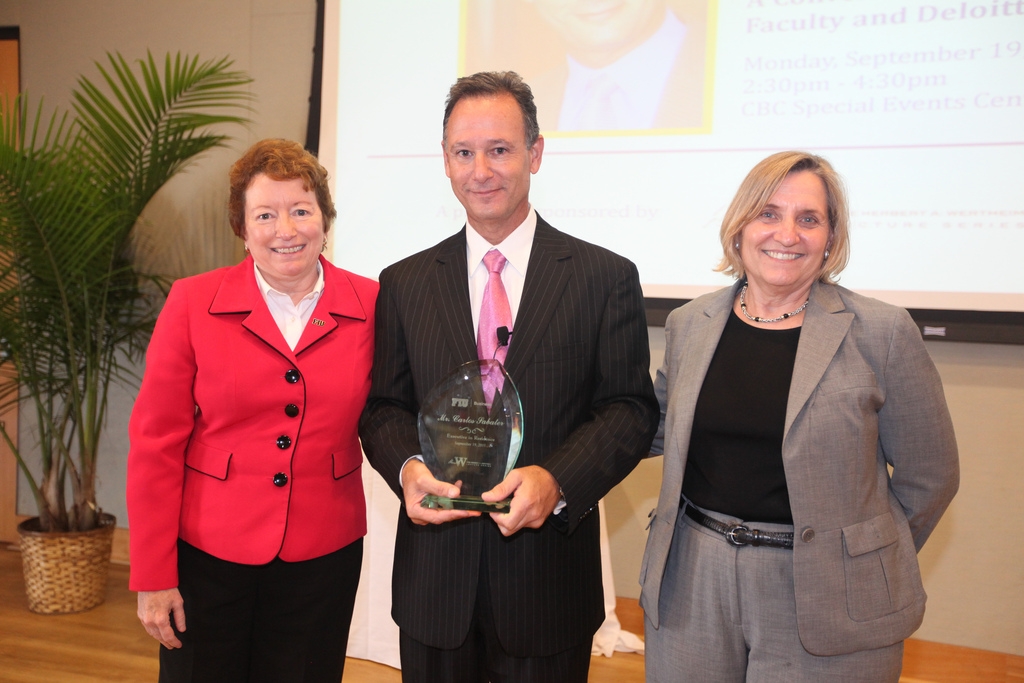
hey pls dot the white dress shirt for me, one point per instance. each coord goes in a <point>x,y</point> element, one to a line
<point>516,250</point>
<point>291,318</point>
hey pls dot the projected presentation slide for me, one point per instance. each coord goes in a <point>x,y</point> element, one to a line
<point>653,111</point>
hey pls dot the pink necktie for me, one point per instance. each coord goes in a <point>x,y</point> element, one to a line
<point>494,310</point>
<point>605,106</point>
<point>494,313</point>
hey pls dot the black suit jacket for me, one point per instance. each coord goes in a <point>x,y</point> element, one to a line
<point>579,357</point>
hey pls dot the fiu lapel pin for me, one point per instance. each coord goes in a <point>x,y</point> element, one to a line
<point>318,322</point>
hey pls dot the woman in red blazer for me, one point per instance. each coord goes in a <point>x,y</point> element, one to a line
<point>245,497</point>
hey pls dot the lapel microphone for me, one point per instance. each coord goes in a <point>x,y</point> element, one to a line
<point>504,334</point>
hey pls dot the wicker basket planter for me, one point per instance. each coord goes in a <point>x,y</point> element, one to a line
<point>65,572</point>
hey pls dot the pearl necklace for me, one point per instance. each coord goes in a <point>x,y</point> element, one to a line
<point>754,318</point>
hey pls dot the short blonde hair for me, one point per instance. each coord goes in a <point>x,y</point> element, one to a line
<point>756,191</point>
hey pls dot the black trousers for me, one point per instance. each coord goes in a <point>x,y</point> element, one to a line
<point>482,659</point>
<point>281,622</point>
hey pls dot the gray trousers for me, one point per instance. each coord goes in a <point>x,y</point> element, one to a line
<point>728,614</point>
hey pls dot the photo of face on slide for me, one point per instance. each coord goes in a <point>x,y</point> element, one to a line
<point>596,65</point>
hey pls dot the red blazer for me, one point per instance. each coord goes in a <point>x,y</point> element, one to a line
<point>240,446</point>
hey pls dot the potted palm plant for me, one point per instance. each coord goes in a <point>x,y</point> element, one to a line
<point>75,312</point>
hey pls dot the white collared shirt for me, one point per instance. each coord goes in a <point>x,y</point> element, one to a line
<point>640,77</point>
<point>291,318</point>
<point>516,250</point>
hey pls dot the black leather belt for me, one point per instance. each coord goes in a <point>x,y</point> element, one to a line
<point>740,535</point>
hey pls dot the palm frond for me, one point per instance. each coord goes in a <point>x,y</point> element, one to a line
<point>159,124</point>
<point>75,314</point>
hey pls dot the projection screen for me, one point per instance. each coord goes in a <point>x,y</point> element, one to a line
<point>919,105</point>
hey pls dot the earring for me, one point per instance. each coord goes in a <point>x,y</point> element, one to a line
<point>246,245</point>
<point>324,247</point>
<point>737,245</point>
<point>826,254</point>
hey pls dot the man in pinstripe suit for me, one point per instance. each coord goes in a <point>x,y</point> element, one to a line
<point>517,596</point>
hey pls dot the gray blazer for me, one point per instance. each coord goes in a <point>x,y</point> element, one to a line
<point>865,397</point>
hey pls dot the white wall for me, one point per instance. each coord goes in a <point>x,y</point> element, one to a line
<point>972,565</point>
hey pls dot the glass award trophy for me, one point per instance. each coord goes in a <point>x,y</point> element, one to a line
<point>471,430</point>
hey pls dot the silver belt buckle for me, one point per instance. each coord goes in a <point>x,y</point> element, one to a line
<point>730,534</point>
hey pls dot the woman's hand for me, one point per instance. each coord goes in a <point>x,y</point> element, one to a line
<point>155,609</point>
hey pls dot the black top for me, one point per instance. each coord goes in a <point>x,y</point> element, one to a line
<point>734,464</point>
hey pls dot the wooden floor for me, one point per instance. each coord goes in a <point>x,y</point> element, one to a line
<point>107,644</point>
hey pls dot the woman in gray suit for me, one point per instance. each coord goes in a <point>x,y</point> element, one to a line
<point>808,453</point>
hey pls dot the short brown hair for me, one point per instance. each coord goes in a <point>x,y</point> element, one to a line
<point>756,191</point>
<point>492,84</point>
<point>279,160</point>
